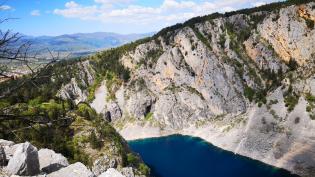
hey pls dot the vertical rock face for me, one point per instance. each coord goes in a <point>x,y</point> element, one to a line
<point>50,161</point>
<point>73,170</point>
<point>76,88</point>
<point>72,91</point>
<point>289,32</point>
<point>24,161</point>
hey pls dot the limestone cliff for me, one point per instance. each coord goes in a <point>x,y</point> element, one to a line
<point>243,81</point>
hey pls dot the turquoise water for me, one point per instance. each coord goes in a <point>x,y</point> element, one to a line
<point>184,156</point>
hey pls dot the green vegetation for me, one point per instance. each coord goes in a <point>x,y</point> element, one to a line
<point>195,91</point>
<point>151,58</point>
<point>309,23</point>
<point>132,159</point>
<point>293,65</point>
<point>95,142</point>
<point>311,102</point>
<point>97,82</point>
<point>310,98</point>
<point>201,37</point>
<point>249,93</point>
<point>113,83</point>
<point>148,116</point>
<point>222,40</point>
<point>259,96</point>
<point>291,101</point>
<point>84,110</point>
<point>271,102</point>
<point>268,8</point>
<point>135,161</point>
<point>144,169</point>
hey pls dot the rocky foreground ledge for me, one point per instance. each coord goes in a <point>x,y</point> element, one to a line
<point>25,160</point>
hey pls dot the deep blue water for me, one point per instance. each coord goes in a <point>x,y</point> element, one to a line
<point>184,156</point>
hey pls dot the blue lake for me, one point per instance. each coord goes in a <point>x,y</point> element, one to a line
<point>184,156</point>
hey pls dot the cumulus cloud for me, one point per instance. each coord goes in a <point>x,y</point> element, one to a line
<point>35,13</point>
<point>5,7</point>
<point>170,11</point>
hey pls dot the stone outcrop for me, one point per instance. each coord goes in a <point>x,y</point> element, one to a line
<point>72,91</point>
<point>24,161</point>
<point>49,161</point>
<point>73,170</point>
<point>102,164</point>
<point>128,172</point>
<point>9,148</point>
<point>111,173</point>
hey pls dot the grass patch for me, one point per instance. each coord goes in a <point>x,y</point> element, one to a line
<point>149,116</point>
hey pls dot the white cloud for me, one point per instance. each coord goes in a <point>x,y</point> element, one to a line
<point>5,7</point>
<point>71,4</point>
<point>35,13</point>
<point>169,12</point>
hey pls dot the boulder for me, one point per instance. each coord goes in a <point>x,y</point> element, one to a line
<point>10,150</point>
<point>3,159</point>
<point>111,173</point>
<point>8,147</point>
<point>73,170</point>
<point>24,161</point>
<point>49,161</point>
<point>6,143</point>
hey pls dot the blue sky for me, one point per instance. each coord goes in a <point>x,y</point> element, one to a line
<point>56,17</point>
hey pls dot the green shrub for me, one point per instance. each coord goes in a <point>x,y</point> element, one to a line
<point>148,116</point>
<point>86,111</point>
<point>93,87</point>
<point>291,101</point>
<point>309,23</point>
<point>201,37</point>
<point>132,159</point>
<point>273,102</point>
<point>222,40</point>
<point>144,169</point>
<point>310,98</point>
<point>95,142</point>
<point>249,93</point>
<point>293,65</point>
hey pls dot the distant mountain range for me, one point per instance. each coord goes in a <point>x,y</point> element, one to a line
<point>79,44</point>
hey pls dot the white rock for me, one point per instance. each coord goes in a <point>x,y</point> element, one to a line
<point>6,143</point>
<point>25,161</point>
<point>49,161</point>
<point>74,170</point>
<point>111,173</point>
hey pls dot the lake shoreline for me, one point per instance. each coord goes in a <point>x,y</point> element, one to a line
<point>135,132</point>
<point>167,147</point>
